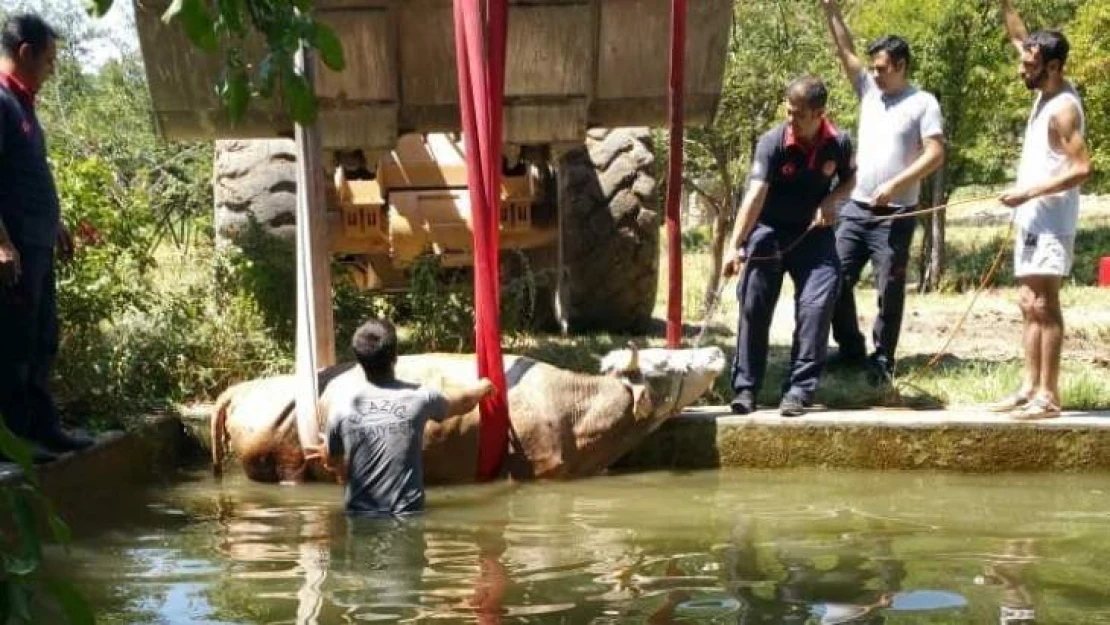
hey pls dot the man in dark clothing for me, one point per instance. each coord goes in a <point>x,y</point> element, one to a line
<point>30,233</point>
<point>784,227</point>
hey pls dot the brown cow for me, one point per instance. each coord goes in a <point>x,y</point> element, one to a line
<point>565,424</point>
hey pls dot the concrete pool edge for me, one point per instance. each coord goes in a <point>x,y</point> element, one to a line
<point>156,445</point>
<point>957,439</point>
<point>964,440</point>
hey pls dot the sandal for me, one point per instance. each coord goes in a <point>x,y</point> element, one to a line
<point>1009,403</point>
<point>1037,408</point>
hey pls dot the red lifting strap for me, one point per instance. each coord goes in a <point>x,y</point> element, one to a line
<point>674,173</point>
<point>480,34</point>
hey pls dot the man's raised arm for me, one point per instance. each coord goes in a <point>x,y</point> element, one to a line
<point>1015,28</point>
<point>842,39</point>
<point>463,401</point>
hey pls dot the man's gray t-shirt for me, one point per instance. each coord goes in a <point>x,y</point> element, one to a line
<point>892,133</point>
<point>380,431</point>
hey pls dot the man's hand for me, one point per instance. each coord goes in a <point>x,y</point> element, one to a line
<point>826,215</point>
<point>10,269</point>
<point>487,387</point>
<point>318,451</point>
<point>734,263</point>
<point>65,244</point>
<point>1015,197</point>
<point>885,193</point>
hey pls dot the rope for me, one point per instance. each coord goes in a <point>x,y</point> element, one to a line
<point>715,300</point>
<point>987,278</point>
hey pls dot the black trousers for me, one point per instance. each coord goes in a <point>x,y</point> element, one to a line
<point>814,268</point>
<point>28,346</point>
<point>886,244</point>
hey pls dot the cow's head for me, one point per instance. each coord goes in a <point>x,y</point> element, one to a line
<point>671,379</point>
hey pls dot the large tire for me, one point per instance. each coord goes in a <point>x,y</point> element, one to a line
<point>255,188</point>
<point>255,191</point>
<point>607,198</point>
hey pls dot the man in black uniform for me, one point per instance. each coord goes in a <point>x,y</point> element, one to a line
<point>784,227</point>
<point>30,234</point>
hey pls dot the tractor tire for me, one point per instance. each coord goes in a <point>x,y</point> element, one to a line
<point>255,189</point>
<point>607,199</point>
<point>254,185</point>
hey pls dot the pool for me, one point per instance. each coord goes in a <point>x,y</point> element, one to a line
<point>727,546</point>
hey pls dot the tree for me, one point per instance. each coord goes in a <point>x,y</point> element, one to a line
<point>1089,65</point>
<point>228,26</point>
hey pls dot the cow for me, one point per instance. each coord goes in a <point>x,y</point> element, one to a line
<point>564,424</point>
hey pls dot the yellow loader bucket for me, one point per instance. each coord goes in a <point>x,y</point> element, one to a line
<point>571,65</point>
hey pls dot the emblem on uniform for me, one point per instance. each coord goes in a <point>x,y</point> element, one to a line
<point>830,168</point>
<point>788,169</point>
<point>26,127</point>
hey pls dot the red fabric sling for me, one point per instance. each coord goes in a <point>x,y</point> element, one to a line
<point>481,28</point>
<point>676,91</point>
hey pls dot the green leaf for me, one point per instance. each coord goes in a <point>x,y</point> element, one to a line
<point>20,596</point>
<point>299,98</point>
<point>231,14</point>
<point>96,8</point>
<point>5,600</point>
<point>59,528</point>
<point>331,50</point>
<point>14,448</point>
<point>29,542</point>
<point>73,603</point>
<point>199,25</point>
<point>19,567</point>
<point>236,94</point>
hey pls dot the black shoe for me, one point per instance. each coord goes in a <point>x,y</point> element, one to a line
<point>743,402</point>
<point>792,406</point>
<point>880,371</point>
<point>60,441</point>
<point>843,359</point>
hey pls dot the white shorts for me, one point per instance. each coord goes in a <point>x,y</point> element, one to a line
<point>1043,254</point>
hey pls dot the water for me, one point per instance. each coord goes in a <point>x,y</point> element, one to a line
<point>723,546</point>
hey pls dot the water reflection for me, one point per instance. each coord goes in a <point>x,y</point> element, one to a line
<point>1009,572</point>
<point>861,581</point>
<point>594,552</point>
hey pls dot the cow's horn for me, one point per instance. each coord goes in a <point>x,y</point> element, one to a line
<point>634,359</point>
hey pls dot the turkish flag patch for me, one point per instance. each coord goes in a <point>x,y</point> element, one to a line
<point>830,168</point>
<point>789,169</point>
<point>27,127</point>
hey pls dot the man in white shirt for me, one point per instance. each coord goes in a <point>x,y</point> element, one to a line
<point>900,141</point>
<point>1045,199</point>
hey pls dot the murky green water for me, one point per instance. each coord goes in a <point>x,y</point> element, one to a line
<point>713,547</point>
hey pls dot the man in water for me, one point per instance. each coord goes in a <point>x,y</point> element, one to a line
<point>1054,163</point>
<point>375,436</point>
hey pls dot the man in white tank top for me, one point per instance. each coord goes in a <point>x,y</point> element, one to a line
<point>1045,199</point>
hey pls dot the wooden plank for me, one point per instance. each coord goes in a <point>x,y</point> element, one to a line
<point>315,326</point>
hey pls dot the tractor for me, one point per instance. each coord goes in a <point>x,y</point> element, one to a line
<point>585,80</point>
